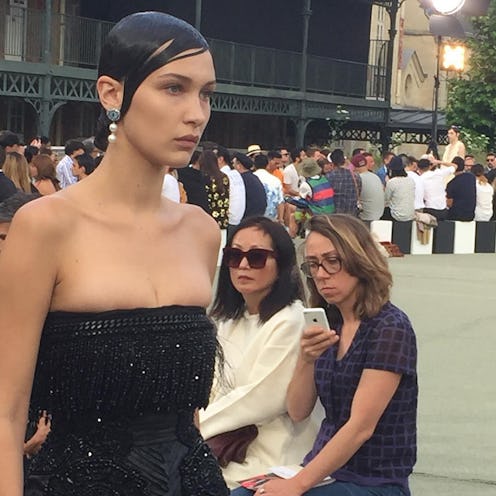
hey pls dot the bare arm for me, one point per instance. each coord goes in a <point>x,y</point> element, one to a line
<point>27,279</point>
<point>374,392</point>
<point>302,394</point>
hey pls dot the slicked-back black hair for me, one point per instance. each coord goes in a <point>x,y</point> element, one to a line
<point>136,47</point>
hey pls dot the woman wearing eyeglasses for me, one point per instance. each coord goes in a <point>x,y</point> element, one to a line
<point>363,372</point>
<point>259,314</point>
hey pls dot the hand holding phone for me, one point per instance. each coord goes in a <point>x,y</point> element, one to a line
<point>315,340</point>
<point>316,316</point>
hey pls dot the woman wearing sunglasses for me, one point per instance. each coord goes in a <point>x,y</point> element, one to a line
<point>259,314</point>
<point>363,371</point>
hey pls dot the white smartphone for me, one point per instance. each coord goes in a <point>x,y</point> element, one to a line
<point>316,316</point>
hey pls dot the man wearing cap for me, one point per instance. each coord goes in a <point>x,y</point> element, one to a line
<point>255,198</point>
<point>253,151</point>
<point>372,194</point>
<point>316,189</point>
<point>315,196</point>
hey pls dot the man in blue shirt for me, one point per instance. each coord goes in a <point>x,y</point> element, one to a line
<point>383,169</point>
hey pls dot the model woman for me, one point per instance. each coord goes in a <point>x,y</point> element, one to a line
<point>113,335</point>
<point>455,147</point>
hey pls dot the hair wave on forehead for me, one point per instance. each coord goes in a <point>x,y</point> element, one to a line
<point>138,45</point>
<point>143,42</point>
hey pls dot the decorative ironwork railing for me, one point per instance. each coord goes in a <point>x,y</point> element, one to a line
<point>76,41</point>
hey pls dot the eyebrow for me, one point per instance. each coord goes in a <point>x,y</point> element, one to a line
<point>332,253</point>
<point>186,79</point>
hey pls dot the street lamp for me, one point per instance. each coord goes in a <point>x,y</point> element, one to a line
<point>453,57</point>
<point>445,18</point>
<point>447,7</point>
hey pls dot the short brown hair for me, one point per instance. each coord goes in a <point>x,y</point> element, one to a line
<point>44,167</point>
<point>360,257</point>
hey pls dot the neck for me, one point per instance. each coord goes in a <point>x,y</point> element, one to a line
<point>252,302</point>
<point>347,312</point>
<point>127,180</point>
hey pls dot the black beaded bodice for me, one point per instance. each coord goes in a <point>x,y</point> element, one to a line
<point>122,387</point>
<point>136,361</point>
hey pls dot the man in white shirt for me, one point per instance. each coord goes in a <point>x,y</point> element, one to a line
<point>291,182</point>
<point>433,179</point>
<point>73,148</point>
<point>273,189</point>
<point>411,170</point>
<point>237,192</point>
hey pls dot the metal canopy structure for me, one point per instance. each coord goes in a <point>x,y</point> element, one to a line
<point>252,80</point>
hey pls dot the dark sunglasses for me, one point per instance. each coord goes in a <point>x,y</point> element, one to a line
<point>257,257</point>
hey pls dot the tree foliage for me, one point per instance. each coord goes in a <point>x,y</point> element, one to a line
<point>472,99</point>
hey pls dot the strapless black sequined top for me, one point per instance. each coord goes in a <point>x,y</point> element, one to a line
<point>122,387</point>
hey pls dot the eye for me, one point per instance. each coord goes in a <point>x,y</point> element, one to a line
<point>174,89</point>
<point>206,94</point>
<point>331,260</point>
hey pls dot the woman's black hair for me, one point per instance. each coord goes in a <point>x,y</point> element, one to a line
<point>432,149</point>
<point>397,173</point>
<point>288,287</point>
<point>210,168</point>
<point>138,45</point>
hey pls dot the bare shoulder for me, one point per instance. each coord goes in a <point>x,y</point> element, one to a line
<point>47,216</point>
<point>199,223</point>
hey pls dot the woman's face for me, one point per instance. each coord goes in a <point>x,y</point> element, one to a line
<point>452,135</point>
<point>338,289</point>
<point>170,110</point>
<point>253,282</point>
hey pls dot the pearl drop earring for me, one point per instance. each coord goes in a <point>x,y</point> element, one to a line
<point>114,115</point>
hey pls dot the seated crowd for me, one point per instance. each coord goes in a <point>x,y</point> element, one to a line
<point>337,399</point>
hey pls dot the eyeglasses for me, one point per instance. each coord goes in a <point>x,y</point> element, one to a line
<point>257,257</point>
<point>332,265</point>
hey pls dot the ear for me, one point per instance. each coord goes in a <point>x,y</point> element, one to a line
<point>110,92</point>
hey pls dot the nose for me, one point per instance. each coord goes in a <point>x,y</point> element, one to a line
<point>244,263</point>
<point>321,272</point>
<point>197,111</point>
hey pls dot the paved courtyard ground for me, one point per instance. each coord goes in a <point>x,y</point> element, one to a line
<point>451,300</point>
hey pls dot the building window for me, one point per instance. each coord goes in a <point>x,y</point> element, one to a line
<point>15,116</point>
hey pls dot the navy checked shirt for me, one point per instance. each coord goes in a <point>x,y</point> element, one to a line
<point>384,342</point>
<point>345,192</point>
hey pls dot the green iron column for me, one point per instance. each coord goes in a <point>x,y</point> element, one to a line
<point>302,122</point>
<point>392,10</point>
<point>45,117</point>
